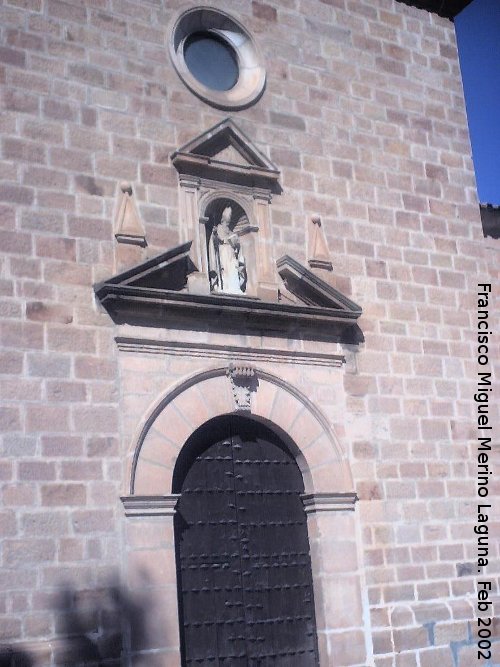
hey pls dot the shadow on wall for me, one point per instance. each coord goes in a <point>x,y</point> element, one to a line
<point>95,628</point>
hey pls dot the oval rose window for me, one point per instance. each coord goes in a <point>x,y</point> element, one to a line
<point>217,58</point>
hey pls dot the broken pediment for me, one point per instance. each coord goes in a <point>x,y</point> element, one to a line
<point>309,289</point>
<point>155,293</point>
<point>225,153</point>
<point>169,270</point>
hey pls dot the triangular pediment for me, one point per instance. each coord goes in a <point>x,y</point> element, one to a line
<point>226,142</point>
<point>231,155</point>
<point>224,152</point>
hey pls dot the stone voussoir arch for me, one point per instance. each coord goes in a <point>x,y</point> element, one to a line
<point>210,393</point>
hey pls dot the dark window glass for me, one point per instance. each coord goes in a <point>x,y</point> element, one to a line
<point>211,60</point>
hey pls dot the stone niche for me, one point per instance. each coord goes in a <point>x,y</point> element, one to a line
<point>225,181</point>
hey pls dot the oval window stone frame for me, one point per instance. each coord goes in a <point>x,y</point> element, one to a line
<point>251,72</point>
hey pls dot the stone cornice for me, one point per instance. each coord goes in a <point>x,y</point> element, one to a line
<point>128,303</point>
<point>446,8</point>
<point>150,505</point>
<point>329,502</point>
<point>165,505</point>
<point>229,352</point>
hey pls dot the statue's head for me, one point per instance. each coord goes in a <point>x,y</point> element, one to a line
<point>226,215</point>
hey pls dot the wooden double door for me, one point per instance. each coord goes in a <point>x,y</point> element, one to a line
<point>244,569</point>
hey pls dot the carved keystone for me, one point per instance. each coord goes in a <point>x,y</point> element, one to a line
<point>244,381</point>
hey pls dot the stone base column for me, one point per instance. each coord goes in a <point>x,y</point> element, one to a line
<point>150,574</point>
<point>336,579</point>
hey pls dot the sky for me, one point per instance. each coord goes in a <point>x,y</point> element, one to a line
<point>478,35</point>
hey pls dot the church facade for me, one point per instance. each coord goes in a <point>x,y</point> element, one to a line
<point>242,253</point>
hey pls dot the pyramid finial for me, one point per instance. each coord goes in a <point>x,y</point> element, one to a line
<point>128,225</point>
<point>318,254</point>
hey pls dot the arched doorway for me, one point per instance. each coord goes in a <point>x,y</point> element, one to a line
<point>242,550</point>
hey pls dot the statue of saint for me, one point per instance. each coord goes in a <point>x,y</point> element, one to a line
<point>227,268</point>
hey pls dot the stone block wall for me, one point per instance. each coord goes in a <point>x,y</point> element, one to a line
<point>364,115</point>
